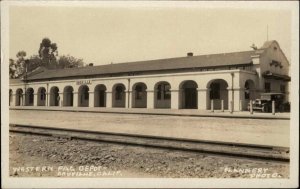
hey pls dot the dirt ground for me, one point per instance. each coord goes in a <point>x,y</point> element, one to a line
<point>249,131</point>
<point>40,156</point>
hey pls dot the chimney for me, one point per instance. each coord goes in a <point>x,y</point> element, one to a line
<point>91,64</point>
<point>189,54</point>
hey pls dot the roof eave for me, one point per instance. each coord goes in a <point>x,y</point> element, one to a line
<point>135,71</point>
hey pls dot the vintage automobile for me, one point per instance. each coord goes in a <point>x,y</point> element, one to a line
<point>264,104</point>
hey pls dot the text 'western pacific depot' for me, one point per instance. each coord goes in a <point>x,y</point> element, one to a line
<point>229,80</point>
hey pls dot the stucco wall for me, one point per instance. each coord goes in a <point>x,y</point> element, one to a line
<point>234,78</point>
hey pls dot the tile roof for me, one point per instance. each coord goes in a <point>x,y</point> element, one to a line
<point>268,43</point>
<point>15,81</point>
<point>201,61</point>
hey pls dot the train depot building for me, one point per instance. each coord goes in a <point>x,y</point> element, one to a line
<point>226,81</point>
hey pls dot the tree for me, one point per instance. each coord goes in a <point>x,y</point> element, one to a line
<point>18,67</point>
<point>12,69</point>
<point>34,62</point>
<point>21,55</point>
<point>47,58</point>
<point>47,53</point>
<point>67,61</point>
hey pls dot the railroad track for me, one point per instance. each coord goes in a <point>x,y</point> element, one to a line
<point>208,147</point>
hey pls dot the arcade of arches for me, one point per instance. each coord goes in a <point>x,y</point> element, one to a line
<point>138,96</point>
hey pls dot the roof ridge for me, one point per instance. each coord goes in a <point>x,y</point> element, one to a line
<point>185,57</point>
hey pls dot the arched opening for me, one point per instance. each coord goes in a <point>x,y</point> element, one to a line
<point>68,96</point>
<point>249,93</point>
<point>189,95</point>
<point>162,95</point>
<point>54,96</point>
<point>139,95</point>
<point>100,96</point>
<point>29,97</point>
<point>41,96</point>
<point>119,96</point>
<point>83,96</point>
<point>249,90</point>
<point>10,97</point>
<point>19,97</point>
<point>218,92</point>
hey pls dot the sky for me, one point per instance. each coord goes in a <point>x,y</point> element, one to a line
<point>102,35</point>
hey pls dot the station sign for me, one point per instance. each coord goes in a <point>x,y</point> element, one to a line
<point>84,82</point>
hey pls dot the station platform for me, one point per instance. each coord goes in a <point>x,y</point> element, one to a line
<point>174,112</point>
<point>243,130</point>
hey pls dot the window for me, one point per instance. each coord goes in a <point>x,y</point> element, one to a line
<point>267,87</point>
<point>275,63</point>
<point>119,92</point>
<point>163,92</point>
<point>282,88</point>
<point>138,92</point>
<point>215,91</point>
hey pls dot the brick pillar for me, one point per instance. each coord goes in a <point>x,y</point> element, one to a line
<point>181,99</point>
<point>61,98</point>
<point>128,99</point>
<point>150,99</point>
<point>35,99</point>
<point>13,100</point>
<point>47,99</point>
<point>23,100</point>
<point>237,99</point>
<point>174,99</point>
<point>75,99</point>
<point>91,99</point>
<point>202,99</point>
<point>230,98</point>
<point>108,99</point>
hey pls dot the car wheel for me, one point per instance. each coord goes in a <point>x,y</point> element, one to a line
<point>266,108</point>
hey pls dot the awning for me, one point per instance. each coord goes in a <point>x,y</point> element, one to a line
<point>270,75</point>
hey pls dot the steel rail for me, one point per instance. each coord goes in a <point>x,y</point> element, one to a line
<point>207,147</point>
